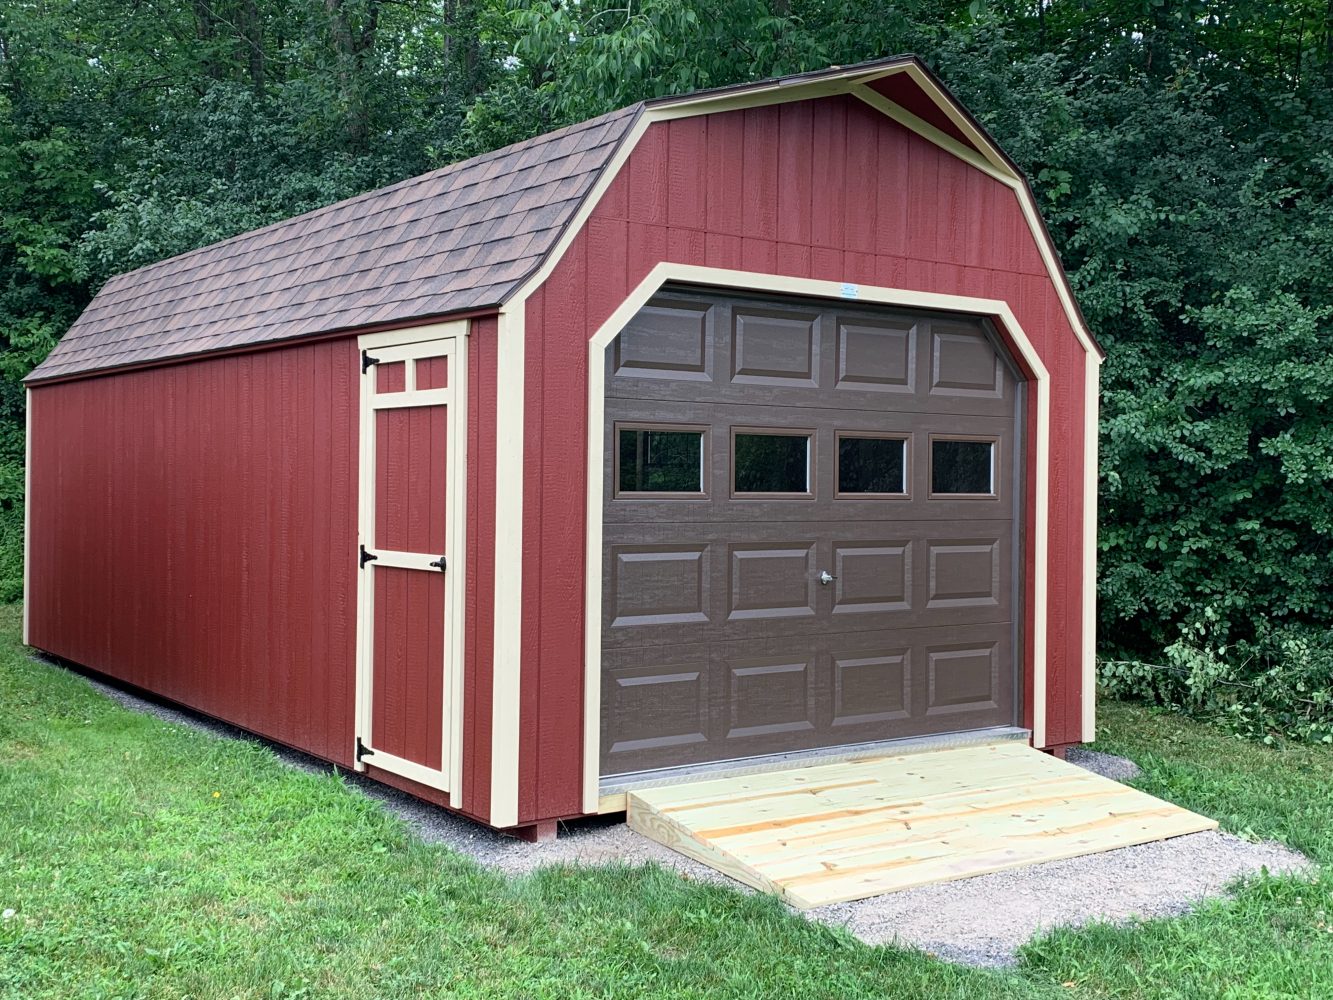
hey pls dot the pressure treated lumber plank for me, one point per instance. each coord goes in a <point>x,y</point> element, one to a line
<point>820,834</point>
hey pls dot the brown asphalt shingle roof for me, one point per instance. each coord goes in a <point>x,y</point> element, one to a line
<point>462,237</point>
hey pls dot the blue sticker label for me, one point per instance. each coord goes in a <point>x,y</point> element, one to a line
<point>850,291</point>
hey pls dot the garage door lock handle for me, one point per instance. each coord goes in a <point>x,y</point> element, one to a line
<point>825,578</point>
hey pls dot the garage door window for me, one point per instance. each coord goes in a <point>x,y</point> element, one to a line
<point>665,461</point>
<point>962,467</point>
<point>771,463</point>
<point>871,465</point>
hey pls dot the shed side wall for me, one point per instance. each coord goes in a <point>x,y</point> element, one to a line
<point>827,189</point>
<point>194,534</point>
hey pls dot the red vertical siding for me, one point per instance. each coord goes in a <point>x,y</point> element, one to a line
<point>825,189</point>
<point>194,531</point>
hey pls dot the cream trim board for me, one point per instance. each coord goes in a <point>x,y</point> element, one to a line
<point>458,562</point>
<point>391,349</point>
<point>408,769</point>
<point>1092,383</point>
<point>715,103</point>
<point>960,120</point>
<point>456,328</point>
<point>27,518</point>
<point>421,397</point>
<point>508,639</point>
<point>755,281</point>
<point>929,132</point>
<point>777,92</point>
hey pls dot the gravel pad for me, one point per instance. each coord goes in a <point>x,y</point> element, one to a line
<point>978,921</point>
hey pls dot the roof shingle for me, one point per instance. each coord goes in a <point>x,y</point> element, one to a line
<point>462,237</point>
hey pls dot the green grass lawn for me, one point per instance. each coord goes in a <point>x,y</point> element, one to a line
<point>143,859</point>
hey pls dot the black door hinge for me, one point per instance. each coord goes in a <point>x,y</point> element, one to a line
<point>367,361</point>
<point>362,750</point>
<point>366,557</point>
<point>438,564</point>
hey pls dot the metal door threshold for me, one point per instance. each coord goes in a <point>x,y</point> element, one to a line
<point>613,787</point>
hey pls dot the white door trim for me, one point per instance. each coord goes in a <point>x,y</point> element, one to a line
<point>450,340</point>
<point>778,284</point>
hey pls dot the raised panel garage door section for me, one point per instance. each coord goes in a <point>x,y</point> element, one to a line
<point>810,530</point>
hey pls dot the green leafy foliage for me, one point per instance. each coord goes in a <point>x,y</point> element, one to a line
<point>1181,151</point>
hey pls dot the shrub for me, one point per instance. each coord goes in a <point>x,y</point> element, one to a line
<point>1278,687</point>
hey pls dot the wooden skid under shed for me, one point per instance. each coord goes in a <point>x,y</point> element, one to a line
<point>832,832</point>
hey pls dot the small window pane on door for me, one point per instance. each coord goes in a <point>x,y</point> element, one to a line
<point>962,467</point>
<point>871,465</point>
<point>772,463</point>
<point>661,461</point>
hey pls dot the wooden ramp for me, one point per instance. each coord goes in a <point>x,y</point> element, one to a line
<point>826,833</point>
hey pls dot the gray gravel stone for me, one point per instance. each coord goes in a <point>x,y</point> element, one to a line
<point>978,921</point>
<point>1108,765</point>
<point>984,920</point>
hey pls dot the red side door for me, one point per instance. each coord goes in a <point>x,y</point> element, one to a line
<point>410,516</point>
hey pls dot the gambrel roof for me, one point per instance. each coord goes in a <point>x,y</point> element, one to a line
<point>462,238</point>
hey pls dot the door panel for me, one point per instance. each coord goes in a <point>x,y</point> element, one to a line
<point>410,515</point>
<point>720,639</point>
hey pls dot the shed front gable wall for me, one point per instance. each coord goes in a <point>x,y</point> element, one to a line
<point>827,189</point>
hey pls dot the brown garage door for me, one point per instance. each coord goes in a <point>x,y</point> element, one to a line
<point>809,530</point>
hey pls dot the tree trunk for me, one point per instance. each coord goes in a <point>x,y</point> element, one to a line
<point>206,31</point>
<point>251,30</point>
<point>350,50</point>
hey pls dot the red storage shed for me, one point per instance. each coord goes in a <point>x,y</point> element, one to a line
<point>731,426</point>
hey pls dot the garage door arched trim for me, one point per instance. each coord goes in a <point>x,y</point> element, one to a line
<point>664,273</point>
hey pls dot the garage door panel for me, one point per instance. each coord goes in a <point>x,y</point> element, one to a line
<point>758,579</point>
<point>853,587</point>
<point>732,700</point>
<point>775,347</point>
<point>657,705</point>
<point>873,576</point>
<point>964,365</point>
<point>636,389</point>
<point>771,580</point>
<point>769,695</point>
<point>871,686</point>
<point>876,355</point>
<point>664,584</point>
<point>669,339</point>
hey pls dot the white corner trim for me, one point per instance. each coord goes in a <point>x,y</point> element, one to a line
<point>27,518</point>
<point>1092,377</point>
<point>455,709</point>
<point>507,650</point>
<point>760,282</point>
